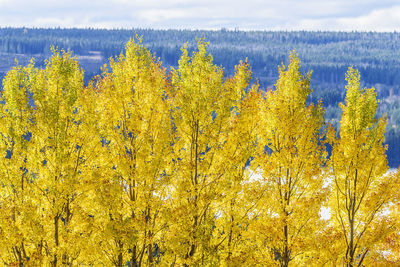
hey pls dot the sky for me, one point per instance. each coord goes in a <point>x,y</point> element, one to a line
<point>332,15</point>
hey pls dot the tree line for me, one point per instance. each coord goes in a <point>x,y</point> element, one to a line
<point>145,166</point>
<point>328,54</point>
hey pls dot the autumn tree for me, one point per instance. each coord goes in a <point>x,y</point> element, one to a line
<point>43,136</point>
<point>134,126</point>
<point>60,144</point>
<point>202,109</point>
<point>19,225</point>
<point>361,188</point>
<point>236,204</point>
<point>146,167</point>
<point>290,161</point>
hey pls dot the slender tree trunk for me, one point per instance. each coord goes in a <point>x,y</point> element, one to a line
<point>351,245</point>
<point>134,257</point>
<point>67,222</point>
<point>148,237</point>
<point>18,255</point>
<point>56,240</point>
<point>120,258</point>
<point>150,255</point>
<point>23,250</point>
<point>286,252</point>
<point>351,214</point>
<point>192,248</point>
<point>150,252</point>
<point>230,232</point>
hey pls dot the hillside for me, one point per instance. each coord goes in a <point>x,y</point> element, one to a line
<point>327,54</point>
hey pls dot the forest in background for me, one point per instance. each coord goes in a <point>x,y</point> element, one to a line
<point>327,54</point>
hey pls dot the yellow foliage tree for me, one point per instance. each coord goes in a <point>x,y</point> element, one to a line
<point>361,189</point>
<point>236,204</point>
<point>133,175</point>
<point>45,142</point>
<point>203,107</point>
<point>144,167</point>
<point>290,162</point>
<point>60,146</point>
<point>18,213</point>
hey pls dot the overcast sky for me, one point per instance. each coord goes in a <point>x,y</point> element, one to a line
<point>339,15</point>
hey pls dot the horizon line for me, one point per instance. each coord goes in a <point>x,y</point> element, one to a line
<point>222,29</point>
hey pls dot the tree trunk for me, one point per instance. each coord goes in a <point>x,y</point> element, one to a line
<point>286,252</point>
<point>56,240</point>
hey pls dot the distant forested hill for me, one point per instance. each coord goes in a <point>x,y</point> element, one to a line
<point>327,54</point>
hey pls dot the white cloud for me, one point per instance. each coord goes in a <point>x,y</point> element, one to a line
<point>386,19</point>
<point>379,20</point>
<point>250,14</point>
